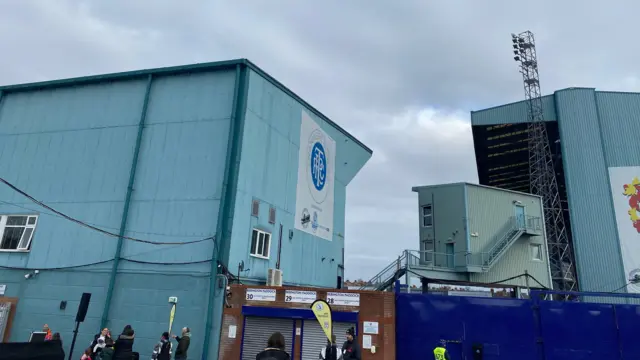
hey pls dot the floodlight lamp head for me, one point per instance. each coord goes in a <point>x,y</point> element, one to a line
<point>516,58</point>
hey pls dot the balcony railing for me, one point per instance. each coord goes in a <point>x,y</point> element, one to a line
<point>514,227</point>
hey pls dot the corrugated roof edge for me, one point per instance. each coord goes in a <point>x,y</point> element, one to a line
<point>417,188</point>
<point>521,101</point>
<point>171,70</point>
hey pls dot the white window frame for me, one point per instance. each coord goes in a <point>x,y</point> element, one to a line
<point>540,252</point>
<point>3,226</point>
<point>260,252</point>
<point>424,216</point>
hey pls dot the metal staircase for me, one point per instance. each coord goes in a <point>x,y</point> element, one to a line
<point>394,271</point>
<point>465,261</point>
<point>501,246</point>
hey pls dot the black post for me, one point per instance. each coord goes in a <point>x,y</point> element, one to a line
<point>73,342</point>
<point>279,248</point>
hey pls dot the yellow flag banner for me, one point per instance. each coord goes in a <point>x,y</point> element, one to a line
<point>322,311</point>
<point>171,316</point>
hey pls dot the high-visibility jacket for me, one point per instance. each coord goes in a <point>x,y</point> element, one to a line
<point>440,353</point>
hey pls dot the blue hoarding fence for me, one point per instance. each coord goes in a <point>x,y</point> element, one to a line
<point>524,329</point>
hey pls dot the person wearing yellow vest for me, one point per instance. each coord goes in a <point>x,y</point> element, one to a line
<point>440,352</point>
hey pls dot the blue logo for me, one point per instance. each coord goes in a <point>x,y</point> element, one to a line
<point>318,166</point>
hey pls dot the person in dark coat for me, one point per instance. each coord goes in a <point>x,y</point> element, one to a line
<point>351,348</point>
<point>331,351</point>
<point>275,349</point>
<point>96,344</point>
<point>183,343</point>
<point>162,350</point>
<point>123,349</point>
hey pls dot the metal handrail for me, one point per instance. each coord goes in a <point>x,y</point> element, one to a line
<point>428,259</point>
<point>389,271</point>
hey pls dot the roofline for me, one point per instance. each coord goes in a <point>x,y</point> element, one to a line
<point>418,188</point>
<point>521,101</point>
<point>174,70</point>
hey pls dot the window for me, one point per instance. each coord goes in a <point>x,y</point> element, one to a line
<point>427,216</point>
<point>272,215</point>
<point>536,252</point>
<point>16,231</point>
<point>255,208</point>
<point>260,244</point>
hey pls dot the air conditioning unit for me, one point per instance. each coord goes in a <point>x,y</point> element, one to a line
<point>274,277</point>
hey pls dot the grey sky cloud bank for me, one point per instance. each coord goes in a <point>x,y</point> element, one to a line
<point>401,76</point>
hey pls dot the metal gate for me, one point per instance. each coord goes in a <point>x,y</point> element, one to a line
<point>314,339</point>
<point>5,310</point>
<point>257,331</point>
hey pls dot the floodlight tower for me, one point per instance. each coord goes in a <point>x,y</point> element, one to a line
<point>542,172</point>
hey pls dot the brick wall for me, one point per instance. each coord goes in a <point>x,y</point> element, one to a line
<point>374,306</point>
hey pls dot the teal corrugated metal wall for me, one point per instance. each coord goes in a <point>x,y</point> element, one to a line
<point>489,210</point>
<point>514,113</point>
<point>448,217</point>
<point>589,194</point>
<point>268,173</point>
<point>71,147</point>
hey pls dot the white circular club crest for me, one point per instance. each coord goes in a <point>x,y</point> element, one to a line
<point>318,173</point>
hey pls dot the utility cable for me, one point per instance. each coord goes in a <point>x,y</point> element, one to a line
<point>104,262</point>
<point>82,223</point>
<point>40,212</point>
<point>620,288</point>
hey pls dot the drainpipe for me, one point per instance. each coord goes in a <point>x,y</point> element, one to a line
<point>224,207</point>
<point>127,203</point>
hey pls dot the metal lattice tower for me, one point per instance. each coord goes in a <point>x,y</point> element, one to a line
<point>542,172</point>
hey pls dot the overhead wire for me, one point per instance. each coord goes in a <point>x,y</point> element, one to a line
<point>95,228</point>
<point>104,262</point>
<point>41,212</point>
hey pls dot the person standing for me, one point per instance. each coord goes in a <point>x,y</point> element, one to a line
<point>331,351</point>
<point>124,344</point>
<point>48,334</point>
<point>96,343</point>
<point>183,344</point>
<point>351,348</point>
<point>440,352</point>
<point>275,349</point>
<point>162,350</point>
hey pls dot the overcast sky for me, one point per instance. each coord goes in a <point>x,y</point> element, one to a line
<point>401,77</point>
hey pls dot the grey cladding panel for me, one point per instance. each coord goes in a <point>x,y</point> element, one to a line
<point>257,331</point>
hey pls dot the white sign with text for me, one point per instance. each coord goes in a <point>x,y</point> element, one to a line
<point>261,295</point>
<point>343,299</point>
<point>303,297</point>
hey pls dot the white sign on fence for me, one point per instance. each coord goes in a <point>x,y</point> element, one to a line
<point>261,295</point>
<point>343,299</point>
<point>3,288</point>
<point>303,297</point>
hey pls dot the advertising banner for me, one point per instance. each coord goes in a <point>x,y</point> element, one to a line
<point>322,311</point>
<point>316,174</point>
<point>625,189</point>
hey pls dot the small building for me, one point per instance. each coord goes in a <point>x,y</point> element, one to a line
<point>474,234</point>
<point>177,179</point>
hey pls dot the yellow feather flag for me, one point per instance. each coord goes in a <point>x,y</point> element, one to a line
<point>171,316</point>
<point>322,311</point>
